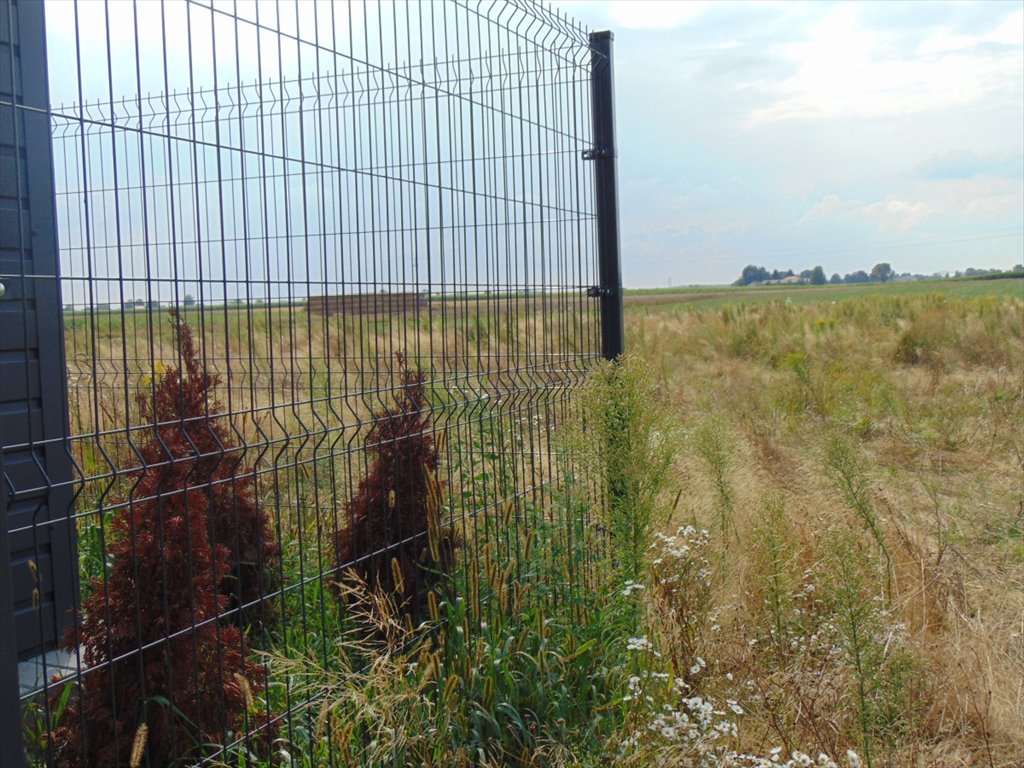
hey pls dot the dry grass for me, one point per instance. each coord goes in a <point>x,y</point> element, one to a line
<point>857,462</point>
<point>925,393</point>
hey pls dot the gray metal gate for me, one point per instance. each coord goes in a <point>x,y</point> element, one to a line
<point>38,577</point>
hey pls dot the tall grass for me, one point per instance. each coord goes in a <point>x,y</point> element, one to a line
<point>871,451</point>
<point>790,537</point>
<point>526,655</point>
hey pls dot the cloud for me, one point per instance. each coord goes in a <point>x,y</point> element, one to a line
<point>979,198</point>
<point>654,14</point>
<point>845,68</point>
<point>967,165</point>
<point>888,215</point>
<point>744,115</point>
<point>896,215</point>
<point>829,205</point>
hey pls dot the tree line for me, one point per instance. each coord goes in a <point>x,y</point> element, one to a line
<point>880,273</point>
<point>751,275</point>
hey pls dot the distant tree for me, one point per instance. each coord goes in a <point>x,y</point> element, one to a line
<point>1018,268</point>
<point>189,300</point>
<point>817,276</point>
<point>806,274</point>
<point>882,273</point>
<point>835,279</point>
<point>752,274</point>
<point>860,276</point>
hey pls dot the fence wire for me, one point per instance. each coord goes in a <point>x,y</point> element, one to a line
<point>324,300</point>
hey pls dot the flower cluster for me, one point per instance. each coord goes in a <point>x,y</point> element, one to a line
<point>630,587</point>
<point>681,588</point>
<point>695,726</point>
<point>641,644</point>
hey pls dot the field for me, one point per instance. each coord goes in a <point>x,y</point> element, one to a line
<point>812,543</point>
<point>866,444</point>
<point>703,297</point>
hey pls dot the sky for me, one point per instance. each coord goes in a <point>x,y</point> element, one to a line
<point>782,134</point>
<point>790,135</point>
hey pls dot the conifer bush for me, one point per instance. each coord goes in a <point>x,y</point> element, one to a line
<point>165,677</point>
<point>394,540</point>
<point>181,406</point>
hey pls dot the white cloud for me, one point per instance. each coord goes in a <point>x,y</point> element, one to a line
<point>654,14</point>
<point>893,215</point>
<point>888,215</point>
<point>1011,31</point>
<point>979,198</point>
<point>844,69</point>
<point>829,205</point>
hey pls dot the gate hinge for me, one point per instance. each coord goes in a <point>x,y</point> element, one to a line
<point>597,291</point>
<point>594,154</point>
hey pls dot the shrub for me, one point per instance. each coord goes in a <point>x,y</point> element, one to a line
<point>923,339</point>
<point>181,405</point>
<point>163,677</point>
<point>394,540</point>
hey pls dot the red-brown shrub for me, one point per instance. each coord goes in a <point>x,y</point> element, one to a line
<point>151,640</point>
<point>394,514</point>
<point>181,407</point>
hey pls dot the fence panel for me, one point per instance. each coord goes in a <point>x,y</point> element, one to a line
<point>328,278</point>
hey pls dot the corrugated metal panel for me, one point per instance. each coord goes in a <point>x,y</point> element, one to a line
<point>33,408</point>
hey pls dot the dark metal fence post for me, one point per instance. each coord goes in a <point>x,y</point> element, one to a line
<point>604,155</point>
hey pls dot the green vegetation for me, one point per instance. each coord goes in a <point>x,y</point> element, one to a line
<point>808,544</point>
<point>707,297</point>
<point>868,441</point>
<point>527,652</point>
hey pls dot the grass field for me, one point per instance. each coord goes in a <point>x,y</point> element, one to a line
<point>857,455</point>
<point>817,545</point>
<point>704,297</point>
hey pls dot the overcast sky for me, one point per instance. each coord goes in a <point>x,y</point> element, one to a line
<point>794,134</point>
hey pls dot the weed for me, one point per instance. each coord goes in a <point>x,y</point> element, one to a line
<point>851,483</point>
<point>682,600</point>
<point>775,555</point>
<point>627,442</point>
<point>873,648</point>
<point>714,447</point>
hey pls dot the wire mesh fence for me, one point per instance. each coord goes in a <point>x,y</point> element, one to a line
<point>324,293</point>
